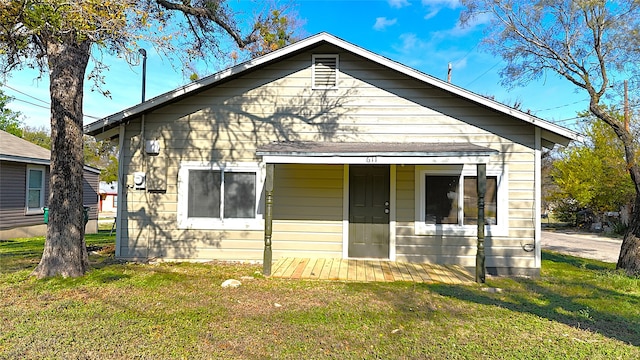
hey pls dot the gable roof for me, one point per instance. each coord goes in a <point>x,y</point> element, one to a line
<point>551,133</point>
<point>13,148</point>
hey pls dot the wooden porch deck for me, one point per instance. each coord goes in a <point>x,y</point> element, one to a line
<point>368,271</point>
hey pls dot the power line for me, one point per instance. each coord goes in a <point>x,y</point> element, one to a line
<point>565,120</point>
<point>561,106</point>
<point>48,107</point>
<point>584,117</point>
<point>465,56</point>
<point>484,73</point>
<point>25,94</point>
<point>30,103</point>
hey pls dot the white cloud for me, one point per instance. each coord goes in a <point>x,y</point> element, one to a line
<point>399,3</point>
<point>430,54</point>
<point>472,25</point>
<point>434,6</point>
<point>410,41</point>
<point>442,3</point>
<point>383,22</point>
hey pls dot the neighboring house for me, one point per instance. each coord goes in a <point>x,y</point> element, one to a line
<point>24,188</point>
<point>367,158</point>
<point>108,201</point>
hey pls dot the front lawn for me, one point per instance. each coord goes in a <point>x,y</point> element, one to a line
<point>579,309</point>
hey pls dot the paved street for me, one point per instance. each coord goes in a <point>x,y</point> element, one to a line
<point>583,245</point>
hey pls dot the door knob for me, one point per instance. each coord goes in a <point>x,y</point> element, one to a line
<point>386,211</point>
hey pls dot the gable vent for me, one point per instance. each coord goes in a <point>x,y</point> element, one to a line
<point>325,71</point>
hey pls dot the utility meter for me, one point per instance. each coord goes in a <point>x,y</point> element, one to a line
<point>139,180</point>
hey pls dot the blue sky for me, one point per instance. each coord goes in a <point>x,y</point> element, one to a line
<point>423,34</point>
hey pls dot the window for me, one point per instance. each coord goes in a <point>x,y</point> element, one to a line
<point>115,201</point>
<point>35,189</point>
<point>441,201</point>
<point>219,197</point>
<point>325,71</point>
<point>470,209</point>
<point>447,200</point>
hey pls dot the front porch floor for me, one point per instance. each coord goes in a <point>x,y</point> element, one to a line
<point>368,271</point>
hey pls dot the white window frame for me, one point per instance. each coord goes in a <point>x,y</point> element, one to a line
<point>313,71</point>
<point>499,229</point>
<point>39,209</point>
<point>185,222</point>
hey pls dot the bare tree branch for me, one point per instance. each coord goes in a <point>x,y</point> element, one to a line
<point>202,12</point>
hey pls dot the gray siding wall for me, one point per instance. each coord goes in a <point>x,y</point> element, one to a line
<point>13,182</point>
<point>90,188</point>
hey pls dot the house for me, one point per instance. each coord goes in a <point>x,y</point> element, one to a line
<point>108,201</point>
<point>323,149</point>
<point>24,189</point>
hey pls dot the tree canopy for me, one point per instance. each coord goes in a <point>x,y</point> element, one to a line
<point>594,173</point>
<point>188,30</point>
<point>9,120</point>
<point>40,136</point>
<point>102,155</point>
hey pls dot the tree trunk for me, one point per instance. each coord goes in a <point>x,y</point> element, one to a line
<point>65,252</point>
<point>629,258</point>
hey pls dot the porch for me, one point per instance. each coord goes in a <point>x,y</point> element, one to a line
<point>367,191</point>
<point>368,271</point>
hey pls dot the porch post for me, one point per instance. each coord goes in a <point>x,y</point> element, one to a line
<point>482,187</point>
<point>268,220</point>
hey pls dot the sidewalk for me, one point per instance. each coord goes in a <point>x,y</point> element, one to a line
<point>582,244</point>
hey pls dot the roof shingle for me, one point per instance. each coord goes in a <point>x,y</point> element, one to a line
<point>16,149</point>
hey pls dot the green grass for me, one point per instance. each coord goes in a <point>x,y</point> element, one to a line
<point>19,254</point>
<point>578,309</point>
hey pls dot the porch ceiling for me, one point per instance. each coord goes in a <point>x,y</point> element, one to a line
<point>373,153</point>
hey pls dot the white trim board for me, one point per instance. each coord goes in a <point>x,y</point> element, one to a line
<point>375,160</point>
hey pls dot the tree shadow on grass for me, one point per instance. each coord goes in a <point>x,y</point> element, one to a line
<point>563,299</point>
<point>584,295</point>
<point>574,261</point>
<point>20,254</point>
<point>557,307</point>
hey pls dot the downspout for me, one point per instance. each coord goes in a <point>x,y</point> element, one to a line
<point>142,162</point>
<point>268,221</point>
<point>121,195</point>
<point>143,52</point>
<point>538,200</point>
<point>481,180</point>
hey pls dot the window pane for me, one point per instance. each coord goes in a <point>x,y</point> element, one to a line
<point>34,199</point>
<point>441,199</point>
<point>471,201</point>
<point>204,194</point>
<point>35,179</point>
<point>239,195</point>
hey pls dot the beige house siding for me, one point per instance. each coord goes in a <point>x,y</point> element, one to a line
<point>226,123</point>
<point>501,251</point>
<point>307,211</point>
